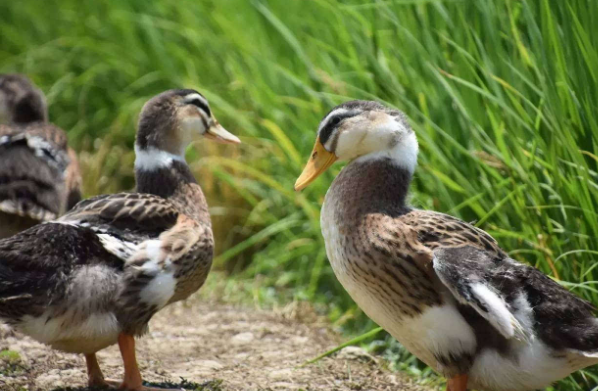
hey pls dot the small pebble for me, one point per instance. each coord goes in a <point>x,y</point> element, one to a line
<point>243,338</point>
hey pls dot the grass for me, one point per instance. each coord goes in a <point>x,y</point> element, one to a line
<point>10,363</point>
<point>502,94</point>
<point>352,342</point>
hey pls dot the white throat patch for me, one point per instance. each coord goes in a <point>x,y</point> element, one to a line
<point>152,159</point>
<point>404,154</point>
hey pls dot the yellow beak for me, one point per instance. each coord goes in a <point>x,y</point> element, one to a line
<point>319,161</point>
<point>217,133</point>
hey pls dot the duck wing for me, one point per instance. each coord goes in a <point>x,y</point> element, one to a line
<point>38,264</point>
<point>123,220</point>
<point>516,299</point>
<point>124,211</point>
<point>475,280</point>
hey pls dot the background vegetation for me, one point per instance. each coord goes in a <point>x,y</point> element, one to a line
<point>502,94</point>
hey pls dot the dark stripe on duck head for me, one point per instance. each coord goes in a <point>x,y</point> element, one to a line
<point>202,106</point>
<point>332,123</point>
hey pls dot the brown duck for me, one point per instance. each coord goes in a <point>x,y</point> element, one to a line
<point>39,173</point>
<point>96,276</point>
<point>442,287</point>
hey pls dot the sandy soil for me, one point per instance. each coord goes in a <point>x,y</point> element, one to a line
<point>213,347</point>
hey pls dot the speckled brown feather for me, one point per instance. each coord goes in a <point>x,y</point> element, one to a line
<point>130,211</point>
<point>435,230</point>
<point>380,248</point>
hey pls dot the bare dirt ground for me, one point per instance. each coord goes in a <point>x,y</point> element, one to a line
<point>217,347</point>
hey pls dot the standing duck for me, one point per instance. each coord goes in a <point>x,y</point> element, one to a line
<point>39,173</point>
<point>442,287</point>
<point>97,275</point>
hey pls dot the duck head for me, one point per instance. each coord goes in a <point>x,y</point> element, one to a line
<point>360,130</point>
<point>21,102</point>
<point>172,120</point>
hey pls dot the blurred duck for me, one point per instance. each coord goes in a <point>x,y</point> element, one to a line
<point>97,275</point>
<point>442,287</point>
<point>39,173</point>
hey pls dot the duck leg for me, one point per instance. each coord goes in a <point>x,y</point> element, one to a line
<point>132,380</point>
<point>95,377</point>
<point>457,383</point>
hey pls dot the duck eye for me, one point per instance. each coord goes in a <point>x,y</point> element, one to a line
<point>335,121</point>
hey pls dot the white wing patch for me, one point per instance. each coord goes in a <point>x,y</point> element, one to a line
<point>123,250</point>
<point>524,313</point>
<point>497,312</point>
<point>473,291</point>
<point>40,148</point>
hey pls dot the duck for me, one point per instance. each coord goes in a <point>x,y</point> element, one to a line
<point>40,177</point>
<point>442,287</point>
<point>95,276</point>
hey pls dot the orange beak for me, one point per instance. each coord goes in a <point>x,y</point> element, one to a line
<point>319,161</point>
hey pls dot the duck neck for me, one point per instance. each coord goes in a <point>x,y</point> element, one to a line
<point>161,173</point>
<point>372,186</point>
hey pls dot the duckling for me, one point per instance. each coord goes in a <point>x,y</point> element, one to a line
<point>97,275</point>
<point>39,173</point>
<point>442,287</point>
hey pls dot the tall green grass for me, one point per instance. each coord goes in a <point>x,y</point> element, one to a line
<point>502,94</point>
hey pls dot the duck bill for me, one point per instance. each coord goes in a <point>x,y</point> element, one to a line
<point>217,133</point>
<point>319,162</point>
